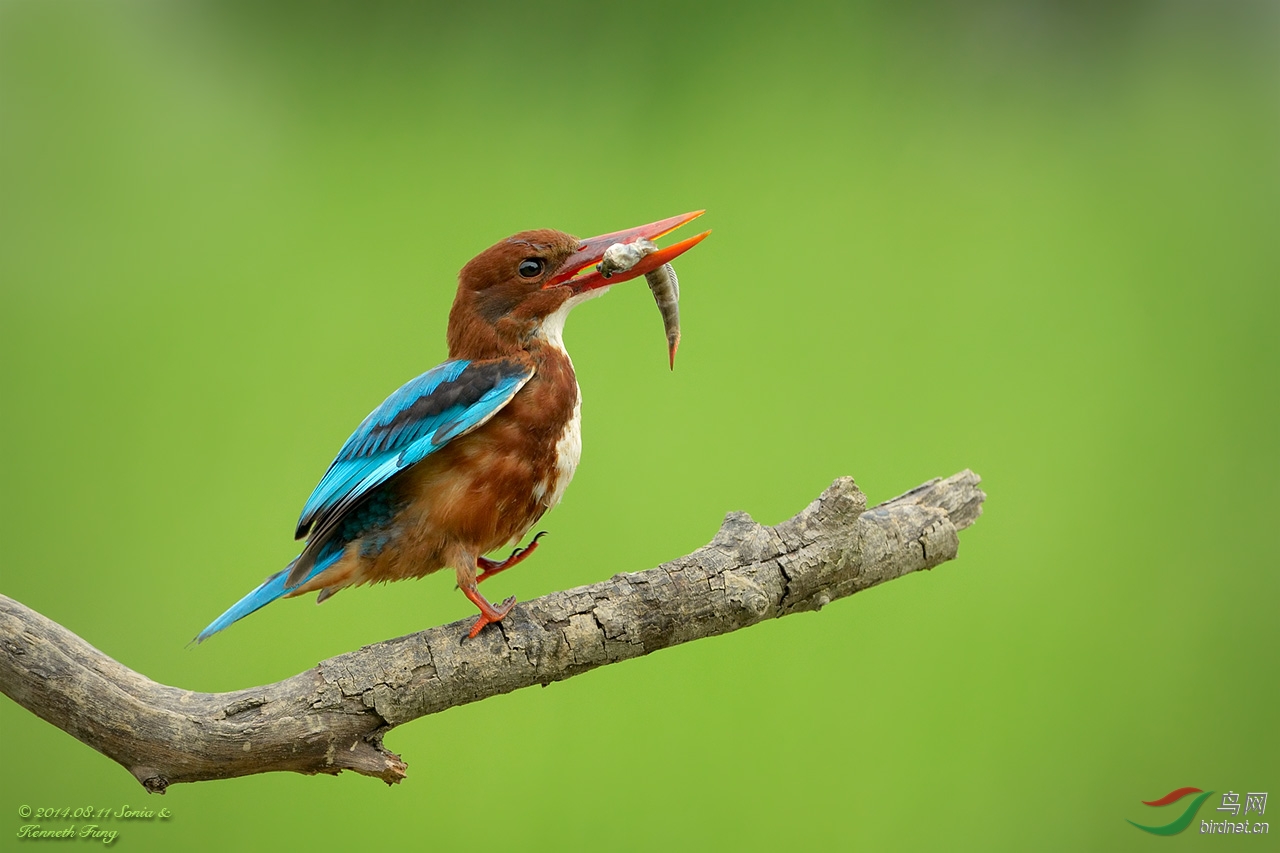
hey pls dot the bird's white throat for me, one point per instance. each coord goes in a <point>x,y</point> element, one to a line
<point>552,328</point>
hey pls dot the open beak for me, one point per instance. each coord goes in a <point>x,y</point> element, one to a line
<point>579,270</point>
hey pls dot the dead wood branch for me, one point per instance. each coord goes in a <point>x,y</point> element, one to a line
<point>333,717</point>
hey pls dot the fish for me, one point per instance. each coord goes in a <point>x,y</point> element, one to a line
<point>621,257</point>
<point>663,284</point>
<point>666,292</point>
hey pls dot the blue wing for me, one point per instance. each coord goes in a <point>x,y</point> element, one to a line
<point>424,415</point>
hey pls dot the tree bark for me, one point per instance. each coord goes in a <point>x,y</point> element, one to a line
<point>333,717</point>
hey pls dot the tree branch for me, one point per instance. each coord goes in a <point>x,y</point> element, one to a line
<point>333,717</point>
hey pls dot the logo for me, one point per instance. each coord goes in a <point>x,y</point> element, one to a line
<point>1253,802</point>
<point>1182,822</point>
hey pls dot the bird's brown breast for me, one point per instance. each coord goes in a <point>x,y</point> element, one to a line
<point>487,488</point>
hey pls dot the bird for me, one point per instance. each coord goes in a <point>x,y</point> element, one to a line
<point>465,459</point>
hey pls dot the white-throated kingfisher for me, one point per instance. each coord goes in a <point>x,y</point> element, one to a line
<point>464,459</point>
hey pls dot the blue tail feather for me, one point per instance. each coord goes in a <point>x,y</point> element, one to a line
<point>266,592</point>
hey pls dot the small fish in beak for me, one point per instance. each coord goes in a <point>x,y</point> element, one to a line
<point>662,281</point>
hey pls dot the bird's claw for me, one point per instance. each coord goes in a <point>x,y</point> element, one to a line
<point>491,616</point>
<point>492,567</point>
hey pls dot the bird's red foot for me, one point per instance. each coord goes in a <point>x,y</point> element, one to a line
<point>519,555</point>
<point>494,614</point>
<point>488,613</point>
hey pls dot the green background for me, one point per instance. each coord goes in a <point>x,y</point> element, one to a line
<point>1035,240</point>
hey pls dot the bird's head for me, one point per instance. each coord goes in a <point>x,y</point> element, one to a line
<point>525,285</point>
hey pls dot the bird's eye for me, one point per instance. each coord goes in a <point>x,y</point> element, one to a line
<point>531,267</point>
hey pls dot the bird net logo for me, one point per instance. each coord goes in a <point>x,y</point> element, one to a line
<point>1254,802</point>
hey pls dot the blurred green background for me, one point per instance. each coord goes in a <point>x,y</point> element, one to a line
<point>1036,240</point>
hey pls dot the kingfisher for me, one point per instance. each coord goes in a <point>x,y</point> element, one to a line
<point>463,460</point>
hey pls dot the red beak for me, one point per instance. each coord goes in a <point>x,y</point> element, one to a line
<point>579,272</point>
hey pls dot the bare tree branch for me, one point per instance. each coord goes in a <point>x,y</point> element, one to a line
<point>333,717</point>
